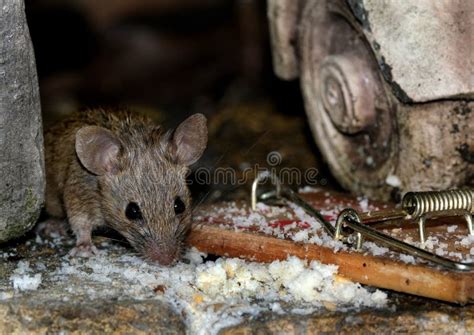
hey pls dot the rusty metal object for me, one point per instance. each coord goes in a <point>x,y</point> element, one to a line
<point>357,104</point>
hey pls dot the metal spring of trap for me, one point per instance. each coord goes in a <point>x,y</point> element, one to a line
<point>353,227</point>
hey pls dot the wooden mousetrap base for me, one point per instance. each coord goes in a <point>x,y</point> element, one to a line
<point>220,230</point>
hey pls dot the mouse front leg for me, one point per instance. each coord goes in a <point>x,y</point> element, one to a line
<point>84,215</point>
<point>82,227</point>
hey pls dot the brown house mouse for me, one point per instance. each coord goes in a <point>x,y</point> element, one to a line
<point>119,169</point>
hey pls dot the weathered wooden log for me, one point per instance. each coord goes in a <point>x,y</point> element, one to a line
<point>21,133</point>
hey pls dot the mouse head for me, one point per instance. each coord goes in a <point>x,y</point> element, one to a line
<point>141,175</point>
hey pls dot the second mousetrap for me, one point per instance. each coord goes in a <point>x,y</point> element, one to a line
<point>371,242</point>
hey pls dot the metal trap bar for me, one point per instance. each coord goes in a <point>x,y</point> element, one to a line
<point>414,206</point>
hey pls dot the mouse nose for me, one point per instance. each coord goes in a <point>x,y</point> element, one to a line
<point>162,255</point>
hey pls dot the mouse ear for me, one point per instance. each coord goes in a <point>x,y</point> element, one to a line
<point>98,149</point>
<point>190,139</point>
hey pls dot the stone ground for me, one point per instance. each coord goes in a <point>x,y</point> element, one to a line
<point>98,296</point>
<point>85,296</point>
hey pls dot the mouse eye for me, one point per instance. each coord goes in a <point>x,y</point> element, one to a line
<point>132,212</point>
<point>179,206</point>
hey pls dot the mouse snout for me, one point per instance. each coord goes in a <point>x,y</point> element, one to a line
<point>164,255</point>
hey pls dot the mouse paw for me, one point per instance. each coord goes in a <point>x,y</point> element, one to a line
<point>51,228</point>
<point>84,250</point>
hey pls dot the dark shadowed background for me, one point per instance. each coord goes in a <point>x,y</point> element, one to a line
<point>171,59</point>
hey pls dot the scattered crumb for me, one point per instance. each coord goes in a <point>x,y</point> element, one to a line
<point>393,180</point>
<point>407,259</point>
<point>23,280</point>
<point>309,189</point>
<point>363,203</point>
<point>198,298</point>
<point>452,229</point>
<point>26,282</point>
<point>375,249</point>
<point>160,289</point>
<point>290,280</point>
<point>467,241</point>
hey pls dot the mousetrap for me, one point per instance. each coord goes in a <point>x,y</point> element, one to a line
<point>423,247</point>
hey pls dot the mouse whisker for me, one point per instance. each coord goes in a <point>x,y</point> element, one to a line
<point>149,233</point>
<point>116,240</point>
<point>201,201</point>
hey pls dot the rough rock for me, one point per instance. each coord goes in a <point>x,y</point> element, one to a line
<point>424,48</point>
<point>436,146</point>
<point>405,320</point>
<point>366,133</point>
<point>21,137</point>
<point>92,317</point>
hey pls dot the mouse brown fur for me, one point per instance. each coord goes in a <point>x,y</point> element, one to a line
<point>119,169</point>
